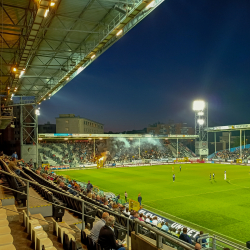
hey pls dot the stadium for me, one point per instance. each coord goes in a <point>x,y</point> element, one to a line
<point>180,188</point>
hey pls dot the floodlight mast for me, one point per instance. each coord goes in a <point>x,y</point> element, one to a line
<point>200,108</point>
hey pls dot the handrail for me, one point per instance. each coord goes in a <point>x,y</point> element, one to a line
<point>183,244</point>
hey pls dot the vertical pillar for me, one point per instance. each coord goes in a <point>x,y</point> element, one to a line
<point>27,192</point>
<point>94,147</point>
<point>244,138</point>
<point>240,144</point>
<point>214,142</point>
<point>177,149</point>
<point>139,148</point>
<point>36,137</point>
<point>21,129</point>
<point>83,224</point>
<point>229,142</point>
<point>127,233</point>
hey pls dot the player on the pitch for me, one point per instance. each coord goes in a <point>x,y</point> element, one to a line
<point>173,177</point>
<point>225,175</point>
<point>180,168</point>
<point>210,176</point>
<point>213,175</point>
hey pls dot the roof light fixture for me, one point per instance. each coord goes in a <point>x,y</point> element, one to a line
<point>93,56</point>
<point>119,32</point>
<point>52,4</point>
<point>46,13</point>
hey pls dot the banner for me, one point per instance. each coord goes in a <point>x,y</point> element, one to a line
<point>46,166</point>
<point>190,232</point>
<point>134,205</point>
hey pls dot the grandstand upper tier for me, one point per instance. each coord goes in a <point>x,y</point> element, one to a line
<point>46,43</point>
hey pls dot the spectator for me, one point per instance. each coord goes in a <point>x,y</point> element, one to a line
<point>107,237</point>
<point>198,247</point>
<point>126,196</point>
<point>165,227</point>
<point>185,237</point>
<point>94,233</point>
<point>118,198</point>
<point>14,155</point>
<point>139,198</point>
<point>134,215</point>
<point>127,211</point>
<point>106,203</point>
<point>1,153</point>
<point>203,241</point>
<point>141,217</point>
<point>89,186</point>
<point>148,219</point>
<point>13,167</point>
<point>155,221</point>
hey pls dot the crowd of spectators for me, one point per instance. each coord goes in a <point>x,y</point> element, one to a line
<point>227,155</point>
<point>113,150</point>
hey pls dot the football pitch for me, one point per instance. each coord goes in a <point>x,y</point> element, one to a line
<point>214,206</point>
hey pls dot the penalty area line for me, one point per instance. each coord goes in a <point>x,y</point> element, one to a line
<point>194,224</point>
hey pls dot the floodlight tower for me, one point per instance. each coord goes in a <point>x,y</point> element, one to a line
<point>201,124</point>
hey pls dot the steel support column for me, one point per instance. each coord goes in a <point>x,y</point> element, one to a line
<point>214,142</point>
<point>244,139</point>
<point>94,148</point>
<point>240,144</point>
<point>139,148</point>
<point>177,149</point>
<point>229,141</point>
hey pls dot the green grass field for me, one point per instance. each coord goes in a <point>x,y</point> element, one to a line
<point>217,206</point>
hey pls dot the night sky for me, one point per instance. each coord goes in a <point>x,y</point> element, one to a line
<point>184,50</point>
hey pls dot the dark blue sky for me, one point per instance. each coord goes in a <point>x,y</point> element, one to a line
<point>183,50</point>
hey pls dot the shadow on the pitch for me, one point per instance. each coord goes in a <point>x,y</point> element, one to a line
<point>211,182</point>
<point>228,181</point>
<point>215,181</point>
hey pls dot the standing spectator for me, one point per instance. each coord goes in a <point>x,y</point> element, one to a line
<point>126,196</point>
<point>107,237</point>
<point>185,237</point>
<point>89,186</point>
<point>13,166</point>
<point>94,233</point>
<point>14,155</point>
<point>139,198</point>
<point>118,198</point>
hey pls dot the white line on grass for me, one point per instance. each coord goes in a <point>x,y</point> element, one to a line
<point>197,194</point>
<point>193,223</point>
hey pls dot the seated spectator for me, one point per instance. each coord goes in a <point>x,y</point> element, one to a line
<point>141,217</point>
<point>106,203</point>
<point>107,237</point>
<point>203,241</point>
<point>1,153</point>
<point>93,196</point>
<point>198,247</point>
<point>134,216</point>
<point>165,227</point>
<point>185,237</point>
<point>126,211</point>
<point>179,232</point>
<point>13,166</point>
<point>94,233</point>
<point>89,195</point>
<point>148,219</point>
<point>155,221</point>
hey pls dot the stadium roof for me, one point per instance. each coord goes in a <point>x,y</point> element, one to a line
<point>106,136</point>
<point>228,128</point>
<point>46,43</point>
